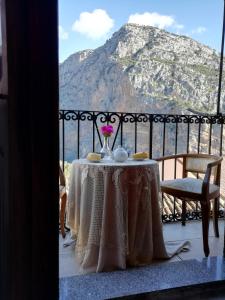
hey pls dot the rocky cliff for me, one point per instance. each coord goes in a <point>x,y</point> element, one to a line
<point>142,69</point>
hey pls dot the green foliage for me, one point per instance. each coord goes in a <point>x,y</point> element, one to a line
<point>163,61</point>
<point>205,70</point>
<point>126,61</point>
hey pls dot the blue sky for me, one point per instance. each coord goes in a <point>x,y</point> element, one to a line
<point>86,24</point>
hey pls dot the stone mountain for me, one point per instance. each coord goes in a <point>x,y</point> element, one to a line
<point>142,69</point>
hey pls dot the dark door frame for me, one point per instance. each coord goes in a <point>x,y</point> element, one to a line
<point>29,152</point>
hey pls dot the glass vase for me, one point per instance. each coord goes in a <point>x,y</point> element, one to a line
<point>106,149</point>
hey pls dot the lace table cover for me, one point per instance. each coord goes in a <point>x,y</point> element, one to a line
<point>113,210</point>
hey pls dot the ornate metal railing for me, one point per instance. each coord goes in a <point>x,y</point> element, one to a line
<point>159,134</point>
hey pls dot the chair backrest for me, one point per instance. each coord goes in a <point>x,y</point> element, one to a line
<point>198,163</point>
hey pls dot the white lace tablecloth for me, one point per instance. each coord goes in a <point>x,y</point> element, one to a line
<point>113,210</point>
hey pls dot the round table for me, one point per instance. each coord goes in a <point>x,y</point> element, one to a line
<point>113,210</point>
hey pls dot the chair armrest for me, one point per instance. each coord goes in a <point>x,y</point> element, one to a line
<point>206,180</point>
<point>215,163</point>
<point>170,157</point>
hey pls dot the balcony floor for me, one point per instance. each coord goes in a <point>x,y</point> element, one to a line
<point>191,264</point>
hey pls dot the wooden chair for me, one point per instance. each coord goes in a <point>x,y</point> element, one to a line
<point>194,189</point>
<point>63,199</point>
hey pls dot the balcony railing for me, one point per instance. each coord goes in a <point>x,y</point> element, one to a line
<point>159,134</point>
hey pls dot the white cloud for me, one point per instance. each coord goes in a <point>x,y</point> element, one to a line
<point>152,19</point>
<point>157,20</point>
<point>94,24</point>
<point>198,30</point>
<point>63,35</point>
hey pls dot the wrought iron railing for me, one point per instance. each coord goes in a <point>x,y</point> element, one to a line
<point>159,134</point>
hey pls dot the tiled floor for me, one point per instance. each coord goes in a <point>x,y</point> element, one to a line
<point>67,263</point>
<point>193,232</point>
<point>172,232</point>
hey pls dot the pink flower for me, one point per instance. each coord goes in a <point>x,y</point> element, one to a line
<point>107,130</point>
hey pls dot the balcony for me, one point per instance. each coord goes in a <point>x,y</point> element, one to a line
<point>160,135</point>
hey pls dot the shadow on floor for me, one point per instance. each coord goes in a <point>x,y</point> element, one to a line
<point>207,291</point>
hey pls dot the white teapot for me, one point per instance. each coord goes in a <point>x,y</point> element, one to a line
<point>120,154</point>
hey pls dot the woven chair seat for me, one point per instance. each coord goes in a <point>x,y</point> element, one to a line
<point>188,185</point>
